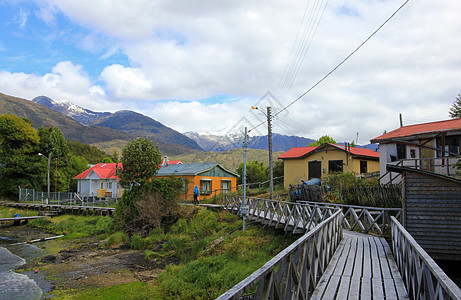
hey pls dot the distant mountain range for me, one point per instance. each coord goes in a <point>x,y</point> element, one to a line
<point>82,115</point>
<point>210,142</point>
<point>110,131</point>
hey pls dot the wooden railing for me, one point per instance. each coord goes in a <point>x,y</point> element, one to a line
<point>364,219</point>
<point>294,217</point>
<point>423,278</point>
<point>295,272</point>
<point>303,215</point>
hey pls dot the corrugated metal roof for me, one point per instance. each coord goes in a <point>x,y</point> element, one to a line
<point>299,152</point>
<point>432,127</point>
<point>189,169</point>
<point>103,170</point>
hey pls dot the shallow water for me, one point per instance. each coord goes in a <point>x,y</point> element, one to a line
<point>14,285</point>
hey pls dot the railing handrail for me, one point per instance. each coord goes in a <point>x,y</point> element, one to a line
<point>270,266</point>
<point>420,285</point>
<point>368,220</point>
<point>352,206</point>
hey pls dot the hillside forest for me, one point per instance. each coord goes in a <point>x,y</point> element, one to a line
<point>20,145</point>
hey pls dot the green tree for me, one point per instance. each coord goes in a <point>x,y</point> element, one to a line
<point>455,109</point>
<point>323,140</point>
<point>19,162</point>
<point>140,159</point>
<point>92,154</point>
<point>278,168</point>
<point>256,172</point>
<point>75,165</point>
<point>52,142</point>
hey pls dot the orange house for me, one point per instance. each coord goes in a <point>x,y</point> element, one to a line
<point>211,178</point>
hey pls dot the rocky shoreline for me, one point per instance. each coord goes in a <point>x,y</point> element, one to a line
<point>84,263</point>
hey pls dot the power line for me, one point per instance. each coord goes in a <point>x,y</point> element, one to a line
<point>293,66</point>
<point>344,60</point>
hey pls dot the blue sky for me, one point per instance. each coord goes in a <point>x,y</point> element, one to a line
<point>200,66</point>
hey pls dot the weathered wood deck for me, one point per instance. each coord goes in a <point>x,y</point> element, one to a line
<point>362,267</point>
<point>63,208</point>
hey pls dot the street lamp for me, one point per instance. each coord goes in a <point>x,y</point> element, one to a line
<point>269,138</point>
<point>48,177</point>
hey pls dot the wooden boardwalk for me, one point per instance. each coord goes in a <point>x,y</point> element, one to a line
<point>61,208</point>
<point>362,267</point>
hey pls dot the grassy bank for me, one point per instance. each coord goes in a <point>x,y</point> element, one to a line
<point>197,257</point>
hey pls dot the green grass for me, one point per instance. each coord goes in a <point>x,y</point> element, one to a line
<point>212,256</point>
<point>9,212</point>
<point>76,227</point>
<point>133,290</point>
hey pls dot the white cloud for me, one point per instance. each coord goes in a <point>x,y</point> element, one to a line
<point>196,50</point>
<point>125,82</point>
<point>66,82</point>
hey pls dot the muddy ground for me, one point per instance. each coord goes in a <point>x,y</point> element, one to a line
<point>85,263</point>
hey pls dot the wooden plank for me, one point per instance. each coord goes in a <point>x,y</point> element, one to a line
<point>378,290</point>
<point>383,258</point>
<point>358,262</point>
<point>339,269</point>
<point>366,271</point>
<point>354,289</point>
<point>350,260</point>
<point>332,287</point>
<point>343,290</point>
<point>389,288</point>
<point>365,290</point>
<point>334,260</point>
<point>375,264</point>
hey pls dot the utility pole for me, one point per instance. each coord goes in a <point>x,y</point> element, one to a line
<point>48,176</point>
<point>244,207</point>
<point>269,137</point>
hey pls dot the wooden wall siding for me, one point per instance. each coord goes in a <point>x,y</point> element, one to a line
<point>216,172</point>
<point>432,213</point>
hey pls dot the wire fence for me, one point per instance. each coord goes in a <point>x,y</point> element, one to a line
<point>63,198</point>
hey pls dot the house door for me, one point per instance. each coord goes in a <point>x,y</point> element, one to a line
<point>314,169</point>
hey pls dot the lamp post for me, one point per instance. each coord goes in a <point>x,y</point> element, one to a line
<point>269,138</point>
<point>48,176</point>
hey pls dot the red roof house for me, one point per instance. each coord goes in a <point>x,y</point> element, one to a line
<point>100,180</point>
<point>429,146</point>
<point>302,163</point>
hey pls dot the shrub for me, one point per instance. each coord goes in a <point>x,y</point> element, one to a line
<point>156,235</point>
<point>117,238</point>
<point>145,207</point>
<point>139,243</point>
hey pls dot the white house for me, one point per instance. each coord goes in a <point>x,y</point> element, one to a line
<point>100,180</point>
<point>430,146</point>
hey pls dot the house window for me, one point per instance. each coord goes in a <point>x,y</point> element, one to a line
<point>401,151</point>
<point>184,185</point>
<point>452,145</point>
<point>363,167</point>
<point>109,185</point>
<point>102,185</point>
<point>225,186</point>
<point>205,187</point>
<point>335,166</point>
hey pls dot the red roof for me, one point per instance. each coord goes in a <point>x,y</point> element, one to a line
<point>106,171</point>
<point>299,152</point>
<point>433,127</point>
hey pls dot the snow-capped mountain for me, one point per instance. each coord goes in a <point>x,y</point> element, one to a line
<point>82,115</point>
<point>210,142</point>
